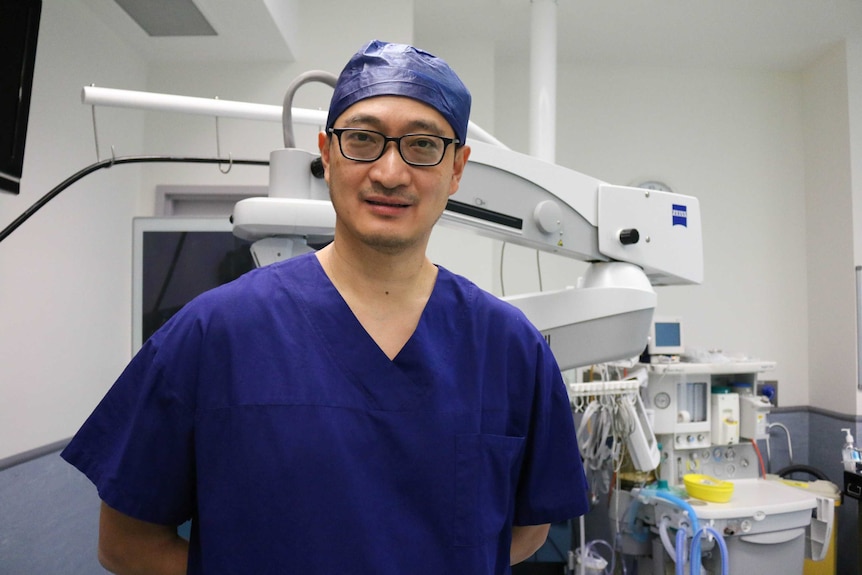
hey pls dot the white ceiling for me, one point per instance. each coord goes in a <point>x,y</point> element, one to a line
<point>756,34</point>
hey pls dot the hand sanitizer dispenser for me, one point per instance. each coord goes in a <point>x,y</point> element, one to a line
<point>849,455</point>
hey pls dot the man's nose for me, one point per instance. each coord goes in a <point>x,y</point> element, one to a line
<point>390,169</point>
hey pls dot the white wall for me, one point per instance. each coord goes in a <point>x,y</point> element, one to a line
<point>831,277</point>
<point>854,98</point>
<point>64,274</point>
<point>734,139</point>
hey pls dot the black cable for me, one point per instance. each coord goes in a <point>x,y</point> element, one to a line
<point>7,231</point>
<point>786,472</point>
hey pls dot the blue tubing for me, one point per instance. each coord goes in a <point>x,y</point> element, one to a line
<point>680,552</point>
<point>680,535</point>
<point>722,547</point>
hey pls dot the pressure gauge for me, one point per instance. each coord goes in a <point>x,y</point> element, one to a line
<point>661,400</point>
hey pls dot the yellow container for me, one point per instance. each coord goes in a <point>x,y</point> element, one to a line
<point>828,566</point>
<point>707,488</point>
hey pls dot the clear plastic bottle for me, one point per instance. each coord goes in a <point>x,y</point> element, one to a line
<point>849,455</point>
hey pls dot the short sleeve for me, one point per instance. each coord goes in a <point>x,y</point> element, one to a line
<point>552,485</point>
<point>137,446</point>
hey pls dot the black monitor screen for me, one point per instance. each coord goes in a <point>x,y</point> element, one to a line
<point>176,265</point>
<point>19,29</point>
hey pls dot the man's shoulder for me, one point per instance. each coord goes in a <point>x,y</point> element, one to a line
<point>480,301</point>
<point>263,280</point>
<point>465,288</point>
<point>257,290</point>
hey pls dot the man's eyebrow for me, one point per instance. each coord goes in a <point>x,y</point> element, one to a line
<point>363,119</point>
<point>426,126</point>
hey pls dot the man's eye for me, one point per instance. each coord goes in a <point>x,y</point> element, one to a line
<point>425,144</point>
<point>359,137</point>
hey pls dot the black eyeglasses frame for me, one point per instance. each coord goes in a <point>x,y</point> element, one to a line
<point>386,139</point>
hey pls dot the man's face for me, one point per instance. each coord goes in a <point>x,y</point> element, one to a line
<point>387,204</point>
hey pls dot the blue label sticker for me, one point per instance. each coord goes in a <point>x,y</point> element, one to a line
<point>680,215</point>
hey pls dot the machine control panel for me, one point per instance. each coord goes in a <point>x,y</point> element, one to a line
<point>723,462</point>
<point>697,431</point>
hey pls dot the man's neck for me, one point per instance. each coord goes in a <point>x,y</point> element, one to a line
<point>371,274</point>
<point>387,293</point>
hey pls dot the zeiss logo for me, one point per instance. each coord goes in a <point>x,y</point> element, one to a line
<point>680,215</point>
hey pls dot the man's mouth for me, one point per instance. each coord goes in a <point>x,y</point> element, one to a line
<point>387,204</point>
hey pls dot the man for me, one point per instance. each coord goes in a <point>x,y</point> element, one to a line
<point>355,410</point>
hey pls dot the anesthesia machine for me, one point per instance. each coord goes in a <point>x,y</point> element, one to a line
<point>709,503</point>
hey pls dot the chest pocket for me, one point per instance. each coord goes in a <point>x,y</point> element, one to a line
<point>486,476</point>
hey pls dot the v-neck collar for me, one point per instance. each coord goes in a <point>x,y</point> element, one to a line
<point>397,384</point>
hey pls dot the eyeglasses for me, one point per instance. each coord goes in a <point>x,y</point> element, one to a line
<point>422,150</point>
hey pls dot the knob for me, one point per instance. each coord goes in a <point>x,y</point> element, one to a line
<point>317,169</point>
<point>629,236</point>
<point>548,216</point>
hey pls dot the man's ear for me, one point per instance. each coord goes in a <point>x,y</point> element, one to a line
<point>323,145</point>
<point>462,155</point>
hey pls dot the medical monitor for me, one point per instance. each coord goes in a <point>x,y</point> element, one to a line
<point>19,30</point>
<point>175,259</point>
<point>666,336</point>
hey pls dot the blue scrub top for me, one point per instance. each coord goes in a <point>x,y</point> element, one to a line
<point>267,414</point>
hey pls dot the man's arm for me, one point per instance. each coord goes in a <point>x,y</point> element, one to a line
<point>129,546</point>
<point>526,540</point>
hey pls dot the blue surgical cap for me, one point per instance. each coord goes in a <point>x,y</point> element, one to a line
<point>387,69</point>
